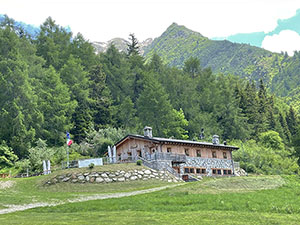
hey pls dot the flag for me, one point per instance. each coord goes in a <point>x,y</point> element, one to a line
<point>69,141</point>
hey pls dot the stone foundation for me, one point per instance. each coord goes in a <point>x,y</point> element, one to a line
<point>113,176</point>
<point>207,163</point>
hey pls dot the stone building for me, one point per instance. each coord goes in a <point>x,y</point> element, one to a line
<point>181,157</point>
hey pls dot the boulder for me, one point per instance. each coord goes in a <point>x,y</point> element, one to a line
<point>66,179</point>
<point>133,178</point>
<point>127,175</point>
<point>81,178</point>
<point>104,175</point>
<point>107,180</point>
<point>99,180</point>
<point>147,172</point>
<point>121,179</point>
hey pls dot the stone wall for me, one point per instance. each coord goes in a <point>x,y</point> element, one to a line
<point>113,176</point>
<point>207,163</point>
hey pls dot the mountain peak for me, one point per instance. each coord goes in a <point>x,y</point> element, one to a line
<point>182,30</point>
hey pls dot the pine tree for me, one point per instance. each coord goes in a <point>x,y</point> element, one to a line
<point>55,104</point>
<point>292,121</point>
<point>155,110</point>
<point>19,115</point>
<point>77,80</point>
<point>100,98</point>
<point>53,44</point>
<point>133,46</point>
<point>192,66</point>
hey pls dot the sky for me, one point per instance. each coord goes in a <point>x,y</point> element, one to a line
<point>271,24</point>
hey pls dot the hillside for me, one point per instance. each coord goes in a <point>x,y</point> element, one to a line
<point>177,44</point>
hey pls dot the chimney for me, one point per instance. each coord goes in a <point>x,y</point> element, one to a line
<point>148,132</point>
<point>215,140</point>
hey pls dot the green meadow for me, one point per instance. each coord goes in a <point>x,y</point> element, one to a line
<point>229,200</point>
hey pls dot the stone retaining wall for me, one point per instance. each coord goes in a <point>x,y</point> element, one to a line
<point>113,176</point>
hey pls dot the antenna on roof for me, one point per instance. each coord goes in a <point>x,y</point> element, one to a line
<point>201,136</point>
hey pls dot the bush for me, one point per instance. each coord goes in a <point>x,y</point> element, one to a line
<point>139,162</point>
<point>92,165</point>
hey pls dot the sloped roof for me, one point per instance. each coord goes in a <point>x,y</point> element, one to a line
<point>175,141</point>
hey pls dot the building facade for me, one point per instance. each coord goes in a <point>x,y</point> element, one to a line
<point>183,156</point>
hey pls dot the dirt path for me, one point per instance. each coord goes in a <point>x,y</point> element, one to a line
<point>15,208</point>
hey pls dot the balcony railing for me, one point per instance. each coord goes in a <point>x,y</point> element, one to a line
<point>166,156</point>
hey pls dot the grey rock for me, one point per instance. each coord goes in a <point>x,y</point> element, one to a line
<point>121,179</point>
<point>133,178</point>
<point>127,175</point>
<point>104,175</point>
<point>107,180</point>
<point>66,179</point>
<point>147,172</point>
<point>80,178</point>
<point>99,180</point>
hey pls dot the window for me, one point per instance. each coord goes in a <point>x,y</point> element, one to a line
<point>187,152</point>
<point>229,172</point>
<point>225,155</point>
<point>186,170</point>
<point>198,153</point>
<point>169,150</point>
<point>225,172</point>
<point>201,170</point>
<point>214,171</point>
<point>219,172</point>
<point>214,154</point>
<point>192,170</point>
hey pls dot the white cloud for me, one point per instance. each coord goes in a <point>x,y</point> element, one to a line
<point>286,40</point>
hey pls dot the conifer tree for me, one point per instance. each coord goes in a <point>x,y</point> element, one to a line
<point>133,46</point>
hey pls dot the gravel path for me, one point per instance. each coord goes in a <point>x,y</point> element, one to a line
<point>14,208</point>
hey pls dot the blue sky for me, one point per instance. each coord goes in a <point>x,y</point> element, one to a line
<point>287,30</point>
<point>271,24</point>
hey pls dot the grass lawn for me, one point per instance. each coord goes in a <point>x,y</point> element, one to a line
<point>32,189</point>
<point>237,200</point>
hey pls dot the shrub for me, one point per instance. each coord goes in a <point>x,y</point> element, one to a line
<point>139,162</point>
<point>92,165</point>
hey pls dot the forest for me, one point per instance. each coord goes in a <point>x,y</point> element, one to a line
<point>55,82</point>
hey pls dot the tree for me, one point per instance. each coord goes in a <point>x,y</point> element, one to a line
<point>100,97</point>
<point>292,121</point>
<point>19,115</point>
<point>55,103</point>
<point>77,80</point>
<point>155,110</point>
<point>192,66</point>
<point>133,46</point>
<point>7,156</point>
<point>53,44</point>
